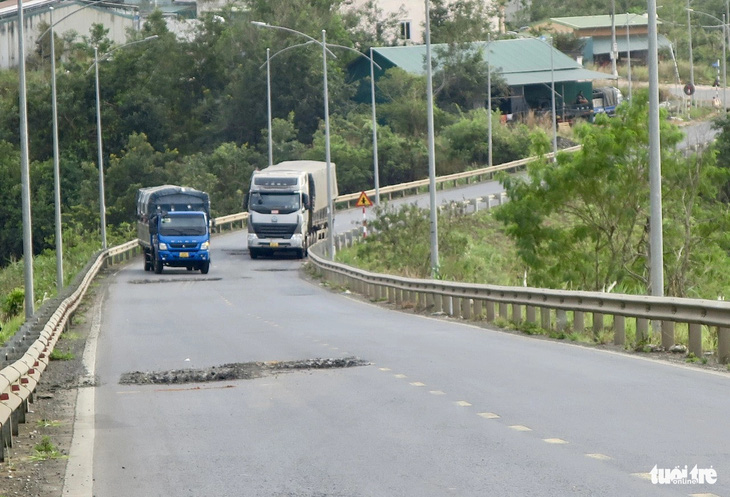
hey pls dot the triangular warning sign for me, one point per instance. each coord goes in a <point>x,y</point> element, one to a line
<point>363,201</point>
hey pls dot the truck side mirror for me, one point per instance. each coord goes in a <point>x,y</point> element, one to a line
<point>305,200</point>
<point>153,225</point>
<point>245,202</point>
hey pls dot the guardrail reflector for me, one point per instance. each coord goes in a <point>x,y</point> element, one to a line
<point>15,388</point>
<point>24,381</point>
<point>4,396</point>
<point>31,370</point>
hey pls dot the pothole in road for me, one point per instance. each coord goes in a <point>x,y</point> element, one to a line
<point>276,269</point>
<point>235,251</point>
<point>235,371</point>
<point>171,280</point>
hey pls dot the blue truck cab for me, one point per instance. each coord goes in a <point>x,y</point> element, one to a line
<point>173,227</point>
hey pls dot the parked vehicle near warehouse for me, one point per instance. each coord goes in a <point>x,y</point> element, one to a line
<point>606,99</point>
<point>173,227</point>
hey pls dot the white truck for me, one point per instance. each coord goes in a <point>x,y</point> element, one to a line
<point>287,207</point>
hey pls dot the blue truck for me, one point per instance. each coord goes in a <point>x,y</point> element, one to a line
<point>173,227</point>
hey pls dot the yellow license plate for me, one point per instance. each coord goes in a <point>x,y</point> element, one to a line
<point>273,245</point>
<point>183,255</point>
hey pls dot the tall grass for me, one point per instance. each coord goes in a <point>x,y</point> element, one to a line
<point>78,247</point>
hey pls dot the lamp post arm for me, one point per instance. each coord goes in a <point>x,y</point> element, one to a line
<point>110,52</point>
<point>288,48</point>
<point>355,51</point>
<point>289,30</point>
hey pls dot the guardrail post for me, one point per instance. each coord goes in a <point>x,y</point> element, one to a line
<point>723,345</point>
<point>597,323</point>
<point>561,319</point>
<point>398,296</point>
<point>466,308</point>
<point>490,310</point>
<point>695,339</point>
<point>619,330</point>
<point>579,321</point>
<point>430,301</point>
<point>503,311</point>
<point>545,318</point>
<point>667,334</point>
<point>438,303</point>
<point>642,330</point>
<point>517,313</point>
<point>478,309</point>
<point>7,437</point>
<point>456,307</point>
<point>531,314</point>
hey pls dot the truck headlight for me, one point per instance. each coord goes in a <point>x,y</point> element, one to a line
<point>163,246</point>
<point>205,245</point>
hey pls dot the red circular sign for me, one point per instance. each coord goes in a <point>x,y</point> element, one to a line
<point>689,89</point>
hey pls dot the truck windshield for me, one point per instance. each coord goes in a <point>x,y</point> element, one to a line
<point>183,225</point>
<point>274,203</point>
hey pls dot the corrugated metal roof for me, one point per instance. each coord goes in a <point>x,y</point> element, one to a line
<point>638,42</point>
<point>602,21</point>
<point>520,61</point>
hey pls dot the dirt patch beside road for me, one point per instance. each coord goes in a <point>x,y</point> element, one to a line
<point>28,472</point>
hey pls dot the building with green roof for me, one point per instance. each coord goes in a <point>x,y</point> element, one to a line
<point>528,66</point>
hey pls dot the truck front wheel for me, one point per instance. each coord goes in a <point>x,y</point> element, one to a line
<point>204,267</point>
<point>157,264</point>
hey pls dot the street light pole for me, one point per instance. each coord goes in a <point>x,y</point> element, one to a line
<point>376,174</point>
<point>628,54</point>
<point>330,217</point>
<point>489,99</point>
<point>691,61</point>
<point>25,172</point>
<point>656,246</point>
<point>552,100</point>
<point>56,166</point>
<point>102,202</point>
<point>431,152</point>
<point>614,54</point>
<point>268,104</point>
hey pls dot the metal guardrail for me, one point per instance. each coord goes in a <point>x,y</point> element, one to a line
<point>19,379</point>
<point>547,308</point>
<point>477,175</point>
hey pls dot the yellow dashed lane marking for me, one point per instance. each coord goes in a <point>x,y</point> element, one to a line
<point>384,369</point>
<point>463,403</point>
<point>418,384</point>
<point>400,376</point>
<point>437,392</point>
<point>488,415</point>
<point>703,495</point>
<point>600,457</point>
<point>520,428</point>
<point>643,476</point>
<point>554,440</point>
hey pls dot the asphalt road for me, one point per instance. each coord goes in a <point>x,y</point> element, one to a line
<point>442,408</point>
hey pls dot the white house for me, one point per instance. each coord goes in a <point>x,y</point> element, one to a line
<point>37,12</point>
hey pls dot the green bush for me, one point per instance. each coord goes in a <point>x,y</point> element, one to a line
<point>13,303</point>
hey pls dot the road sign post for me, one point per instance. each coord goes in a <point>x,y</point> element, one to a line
<point>364,201</point>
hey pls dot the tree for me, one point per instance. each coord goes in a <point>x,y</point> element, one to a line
<point>583,222</point>
<point>460,20</point>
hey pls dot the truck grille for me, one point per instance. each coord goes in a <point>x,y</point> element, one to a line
<point>274,230</point>
<point>191,245</point>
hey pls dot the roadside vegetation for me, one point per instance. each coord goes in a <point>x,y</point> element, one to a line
<point>580,223</point>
